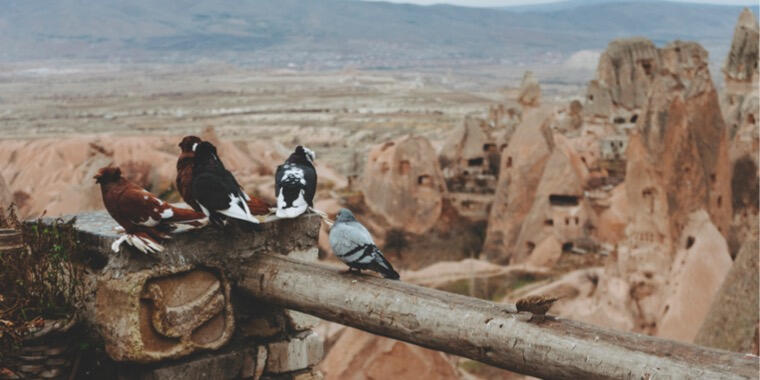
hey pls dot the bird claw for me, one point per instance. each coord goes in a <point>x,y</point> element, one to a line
<point>116,245</point>
<point>144,245</point>
<point>323,215</point>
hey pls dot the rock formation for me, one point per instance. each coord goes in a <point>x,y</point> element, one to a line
<point>626,69</point>
<point>740,102</point>
<point>403,182</point>
<point>360,355</point>
<point>568,120</point>
<point>54,176</point>
<point>557,209</point>
<point>700,265</point>
<point>5,194</point>
<point>522,164</point>
<point>530,91</point>
<point>733,322</point>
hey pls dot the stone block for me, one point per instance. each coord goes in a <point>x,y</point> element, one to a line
<point>254,363</point>
<point>163,313</point>
<point>297,353</point>
<point>298,321</point>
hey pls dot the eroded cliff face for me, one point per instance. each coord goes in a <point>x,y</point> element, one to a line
<point>403,182</point>
<point>626,70</point>
<point>522,164</point>
<point>740,102</point>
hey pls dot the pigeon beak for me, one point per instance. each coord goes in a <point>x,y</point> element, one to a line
<point>195,146</point>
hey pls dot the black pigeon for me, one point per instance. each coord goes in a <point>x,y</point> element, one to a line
<point>353,245</point>
<point>295,183</point>
<point>215,189</point>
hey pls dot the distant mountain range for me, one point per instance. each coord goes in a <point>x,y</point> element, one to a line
<point>337,33</point>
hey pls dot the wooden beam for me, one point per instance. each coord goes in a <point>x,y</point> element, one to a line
<point>484,331</point>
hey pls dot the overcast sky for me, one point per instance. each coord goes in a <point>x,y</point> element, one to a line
<point>496,3</point>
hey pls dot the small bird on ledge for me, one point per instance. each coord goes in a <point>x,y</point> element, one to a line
<point>145,218</point>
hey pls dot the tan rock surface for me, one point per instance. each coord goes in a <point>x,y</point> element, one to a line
<point>530,91</point>
<point>611,222</point>
<point>558,208</point>
<point>741,63</point>
<point>684,133</point>
<point>701,264</point>
<point>360,355</point>
<point>402,182</point>
<point>627,68</point>
<point>55,175</point>
<point>740,102</point>
<point>546,254</point>
<point>5,193</point>
<point>522,165</point>
<point>732,322</point>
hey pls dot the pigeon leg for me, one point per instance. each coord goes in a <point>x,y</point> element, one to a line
<point>116,245</point>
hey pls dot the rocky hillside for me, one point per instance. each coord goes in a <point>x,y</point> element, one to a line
<point>334,33</point>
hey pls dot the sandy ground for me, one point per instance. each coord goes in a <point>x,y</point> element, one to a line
<point>338,114</point>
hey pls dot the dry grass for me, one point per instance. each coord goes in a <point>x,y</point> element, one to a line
<point>40,282</point>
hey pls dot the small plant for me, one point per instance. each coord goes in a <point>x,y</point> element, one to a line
<point>38,282</point>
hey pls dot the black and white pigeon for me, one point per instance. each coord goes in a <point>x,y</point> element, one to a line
<point>353,245</point>
<point>295,183</point>
<point>217,192</point>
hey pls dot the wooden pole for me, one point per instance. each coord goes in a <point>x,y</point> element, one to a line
<point>480,330</point>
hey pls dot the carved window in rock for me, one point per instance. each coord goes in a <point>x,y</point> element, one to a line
<point>425,180</point>
<point>404,167</point>
<point>563,200</point>
<point>473,162</point>
<point>646,64</point>
<point>649,194</point>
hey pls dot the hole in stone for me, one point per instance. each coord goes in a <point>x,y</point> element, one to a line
<point>634,118</point>
<point>563,200</point>
<point>567,247</point>
<point>530,245</point>
<point>489,147</point>
<point>475,161</point>
<point>689,242</point>
<point>619,120</point>
<point>549,222</point>
<point>509,162</point>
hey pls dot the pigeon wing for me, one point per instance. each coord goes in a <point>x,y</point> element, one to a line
<point>143,208</point>
<point>347,237</point>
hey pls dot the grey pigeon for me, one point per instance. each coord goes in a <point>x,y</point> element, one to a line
<point>353,245</point>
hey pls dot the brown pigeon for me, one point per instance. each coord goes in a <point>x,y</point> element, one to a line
<point>145,218</point>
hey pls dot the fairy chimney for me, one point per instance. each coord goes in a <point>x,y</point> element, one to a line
<point>403,183</point>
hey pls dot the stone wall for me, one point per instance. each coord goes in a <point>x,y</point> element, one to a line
<point>179,314</point>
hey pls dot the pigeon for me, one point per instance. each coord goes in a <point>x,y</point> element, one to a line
<point>353,245</point>
<point>295,183</point>
<point>145,218</point>
<point>184,181</point>
<point>215,189</point>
